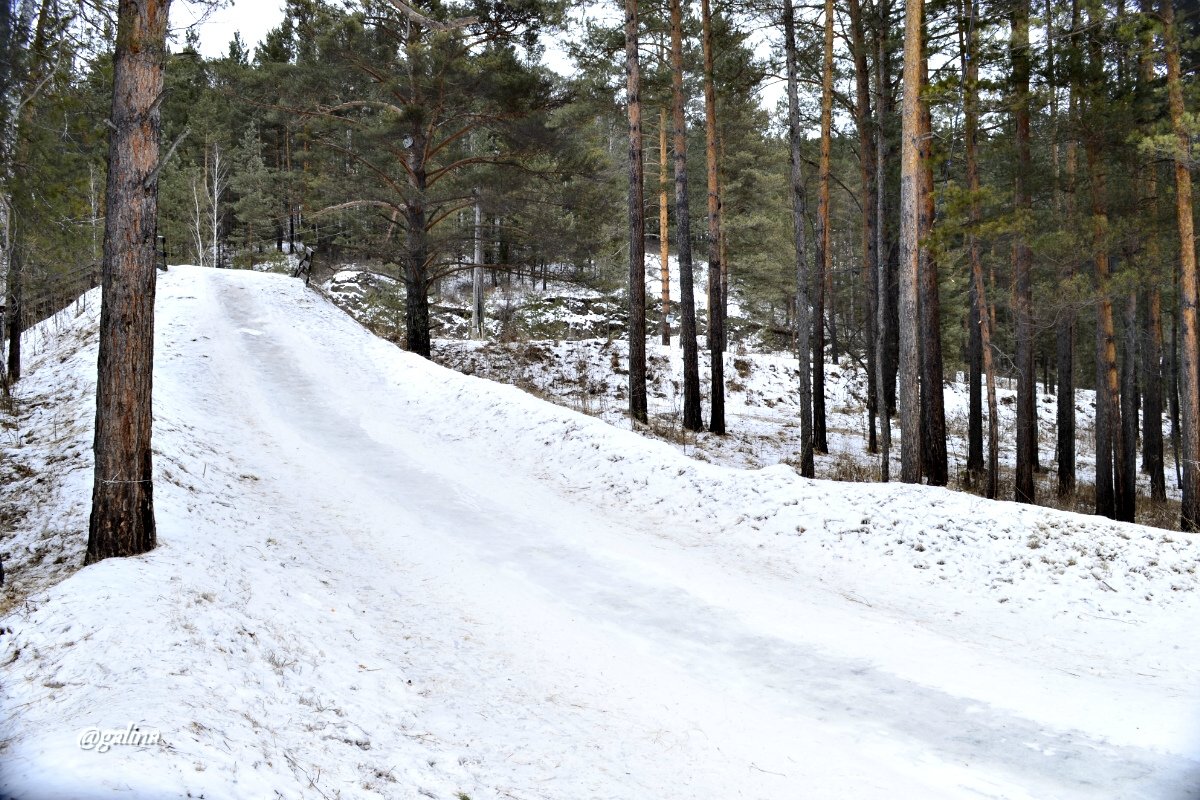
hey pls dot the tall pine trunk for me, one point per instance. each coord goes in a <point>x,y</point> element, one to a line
<point>981,322</point>
<point>716,304</point>
<point>796,185</point>
<point>692,420</point>
<point>933,410</point>
<point>1152,422</point>
<point>637,223</point>
<point>1065,333</point>
<point>1127,502</point>
<point>1108,405</point>
<point>974,468</point>
<point>122,519</point>
<point>885,331</point>
<point>477,307</point>
<point>866,164</point>
<point>1023,262</point>
<point>664,231</point>
<point>824,253</point>
<point>886,194</point>
<point>1189,344</point>
<point>912,185</point>
<point>416,217</point>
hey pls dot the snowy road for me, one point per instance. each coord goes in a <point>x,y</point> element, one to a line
<point>486,627</point>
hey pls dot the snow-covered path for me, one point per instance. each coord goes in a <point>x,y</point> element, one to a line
<point>398,595</point>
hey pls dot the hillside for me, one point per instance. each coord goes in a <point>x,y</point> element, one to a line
<point>567,344</point>
<point>378,577</point>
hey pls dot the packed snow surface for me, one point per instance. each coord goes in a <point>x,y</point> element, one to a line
<point>380,578</point>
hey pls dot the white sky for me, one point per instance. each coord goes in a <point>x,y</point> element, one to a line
<point>252,18</point>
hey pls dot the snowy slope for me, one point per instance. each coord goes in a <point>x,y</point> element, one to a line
<point>380,578</point>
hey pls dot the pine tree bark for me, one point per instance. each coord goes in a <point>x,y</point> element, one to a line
<point>664,231</point>
<point>1110,455</point>
<point>1065,332</point>
<point>824,254</point>
<point>1152,427</point>
<point>803,306</point>
<point>981,321</point>
<point>416,256</point>
<point>974,468</point>
<point>416,214</point>
<point>692,420</point>
<point>477,307</point>
<point>1023,262</point>
<point>1173,397</point>
<point>1108,406</point>
<point>716,303</point>
<point>122,518</point>
<point>912,183</point>
<point>1127,502</point>
<point>887,227</point>
<point>637,222</point>
<point>1189,344</point>
<point>1151,334</point>
<point>866,163</point>
<point>14,312</point>
<point>885,319</point>
<point>933,412</point>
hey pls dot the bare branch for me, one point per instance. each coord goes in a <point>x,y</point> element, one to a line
<point>432,24</point>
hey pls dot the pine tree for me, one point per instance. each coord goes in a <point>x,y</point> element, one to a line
<point>692,420</point>
<point>637,223</point>
<point>1023,260</point>
<point>122,520</point>
<point>912,189</point>
<point>252,182</point>
<point>1189,346</point>
<point>796,187</point>
<point>716,301</point>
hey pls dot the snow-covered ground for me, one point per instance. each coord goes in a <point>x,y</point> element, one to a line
<point>567,344</point>
<point>381,578</point>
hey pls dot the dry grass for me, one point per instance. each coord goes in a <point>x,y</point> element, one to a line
<point>1156,514</point>
<point>845,467</point>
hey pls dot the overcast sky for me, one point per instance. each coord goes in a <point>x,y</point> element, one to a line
<point>252,18</point>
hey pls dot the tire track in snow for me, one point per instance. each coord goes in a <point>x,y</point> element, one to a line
<point>781,676</point>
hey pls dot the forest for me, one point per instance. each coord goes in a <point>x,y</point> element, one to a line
<point>981,192</point>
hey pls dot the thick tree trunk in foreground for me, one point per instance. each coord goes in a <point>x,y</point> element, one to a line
<point>122,520</point>
<point>911,189</point>
<point>803,329</point>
